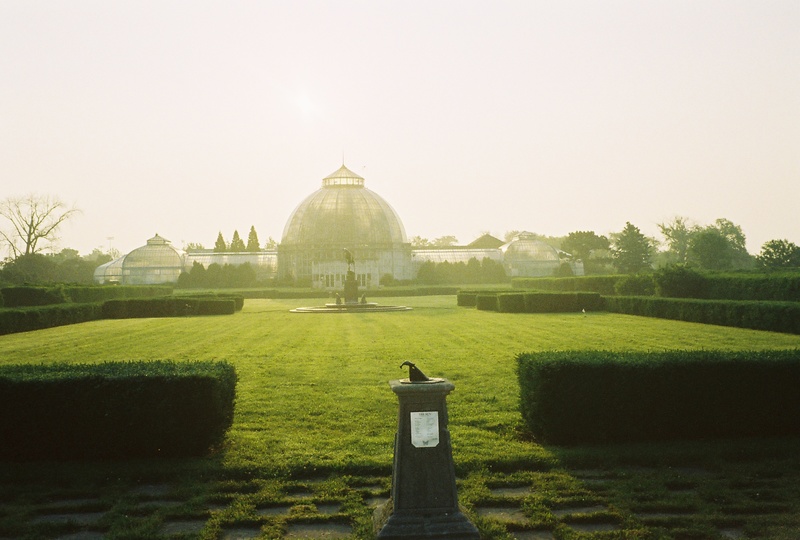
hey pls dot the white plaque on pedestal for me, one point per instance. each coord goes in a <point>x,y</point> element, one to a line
<point>425,429</point>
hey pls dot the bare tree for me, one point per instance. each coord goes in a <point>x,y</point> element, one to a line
<point>33,218</point>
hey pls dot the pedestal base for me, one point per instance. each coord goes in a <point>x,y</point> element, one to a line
<point>414,526</point>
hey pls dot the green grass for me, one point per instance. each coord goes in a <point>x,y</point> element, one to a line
<point>314,411</point>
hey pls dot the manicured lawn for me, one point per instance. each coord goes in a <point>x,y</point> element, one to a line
<point>314,412</point>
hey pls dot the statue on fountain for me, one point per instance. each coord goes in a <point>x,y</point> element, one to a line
<point>350,282</point>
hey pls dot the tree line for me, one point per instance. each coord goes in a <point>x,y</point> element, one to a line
<point>29,226</point>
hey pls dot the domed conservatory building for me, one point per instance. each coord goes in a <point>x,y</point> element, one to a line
<point>343,215</point>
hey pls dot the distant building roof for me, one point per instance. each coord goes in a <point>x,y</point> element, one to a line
<point>487,241</point>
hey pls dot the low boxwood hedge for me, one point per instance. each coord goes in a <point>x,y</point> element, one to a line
<point>167,307</point>
<point>25,319</point>
<point>582,397</point>
<point>599,284</point>
<point>117,410</point>
<point>772,316</point>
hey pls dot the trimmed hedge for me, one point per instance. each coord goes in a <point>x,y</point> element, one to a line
<point>114,410</point>
<point>32,296</point>
<point>771,316</point>
<point>541,302</point>
<point>167,307</point>
<point>102,293</point>
<point>238,299</point>
<point>599,284</point>
<point>511,302</point>
<point>35,318</point>
<point>532,301</point>
<point>59,294</point>
<point>779,288</point>
<point>585,397</point>
<point>486,301</point>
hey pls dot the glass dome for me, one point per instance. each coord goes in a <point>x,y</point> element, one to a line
<point>526,247</point>
<point>343,213</point>
<point>110,272</point>
<point>157,253</point>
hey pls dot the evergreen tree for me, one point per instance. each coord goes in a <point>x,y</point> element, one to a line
<point>631,250</point>
<point>237,244</point>
<point>220,246</point>
<point>252,240</point>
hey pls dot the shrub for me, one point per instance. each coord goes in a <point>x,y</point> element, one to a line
<point>118,409</point>
<point>584,397</point>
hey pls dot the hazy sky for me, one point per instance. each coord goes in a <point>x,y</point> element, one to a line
<point>190,118</point>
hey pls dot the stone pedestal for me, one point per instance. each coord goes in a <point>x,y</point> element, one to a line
<point>350,288</point>
<point>424,503</point>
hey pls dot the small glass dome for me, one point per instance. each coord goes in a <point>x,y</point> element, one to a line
<point>110,272</point>
<point>525,256</point>
<point>157,253</point>
<point>526,247</point>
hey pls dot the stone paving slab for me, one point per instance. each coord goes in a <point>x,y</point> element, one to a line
<point>318,531</point>
<point>185,526</point>
<point>512,492</point>
<point>82,518</point>
<point>241,533</point>
<point>532,535</point>
<point>273,510</point>
<point>570,511</point>
<point>503,514</point>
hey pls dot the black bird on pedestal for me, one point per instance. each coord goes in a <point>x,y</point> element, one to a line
<point>414,373</point>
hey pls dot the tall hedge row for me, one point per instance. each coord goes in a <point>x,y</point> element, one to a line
<point>582,397</point>
<point>114,410</point>
<point>772,316</point>
<point>753,287</point>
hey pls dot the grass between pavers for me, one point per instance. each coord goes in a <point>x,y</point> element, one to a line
<point>315,415</point>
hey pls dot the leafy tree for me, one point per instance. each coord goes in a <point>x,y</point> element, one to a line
<point>445,241</point>
<point>736,239</point>
<point>581,244</point>
<point>252,241</point>
<point>419,242</point>
<point>678,235</point>
<point>631,251</point>
<point>220,246</point>
<point>194,246</point>
<point>63,267</point>
<point>779,254</point>
<point>237,244</point>
<point>34,219</point>
<point>509,236</point>
<point>710,250</point>
<point>271,244</point>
